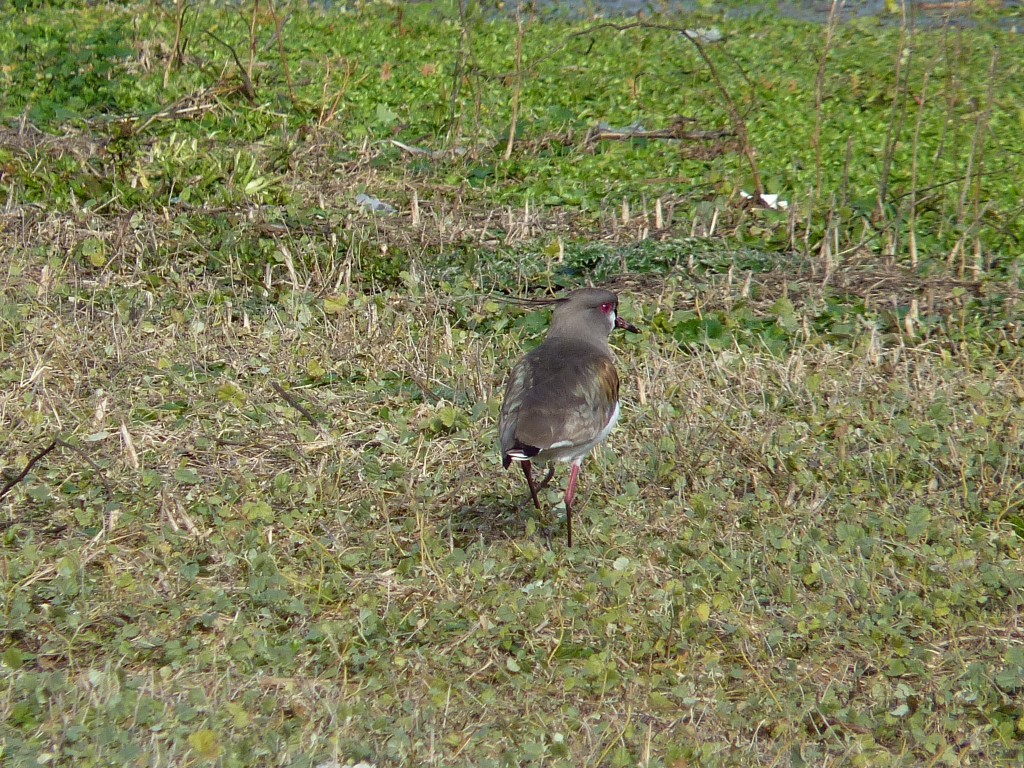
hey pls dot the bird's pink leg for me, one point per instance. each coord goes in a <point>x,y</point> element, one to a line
<point>570,494</point>
<point>528,471</point>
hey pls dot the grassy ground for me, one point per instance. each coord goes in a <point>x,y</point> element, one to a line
<point>273,528</point>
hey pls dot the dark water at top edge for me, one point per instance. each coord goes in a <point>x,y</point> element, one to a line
<point>1007,15</point>
<point>926,11</point>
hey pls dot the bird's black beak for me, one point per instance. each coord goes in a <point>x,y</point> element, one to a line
<point>620,323</point>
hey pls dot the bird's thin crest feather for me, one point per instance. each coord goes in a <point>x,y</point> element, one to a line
<point>520,302</point>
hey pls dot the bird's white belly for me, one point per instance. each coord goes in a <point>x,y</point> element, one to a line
<point>608,428</point>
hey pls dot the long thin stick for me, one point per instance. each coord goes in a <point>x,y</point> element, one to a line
<point>739,125</point>
<point>819,92</point>
<point>289,398</point>
<point>58,443</point>
<point>515,93</point>
<point>28,468</point>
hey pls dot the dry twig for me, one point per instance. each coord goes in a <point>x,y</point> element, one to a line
<point>58,443</point>
<point>293,401</point>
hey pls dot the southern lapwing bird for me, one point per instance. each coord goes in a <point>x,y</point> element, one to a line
<point>562,399</point>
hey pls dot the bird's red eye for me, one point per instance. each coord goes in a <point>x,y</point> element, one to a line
<point>607,307</point>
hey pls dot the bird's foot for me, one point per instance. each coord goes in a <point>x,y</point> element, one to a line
<point>547,478</point>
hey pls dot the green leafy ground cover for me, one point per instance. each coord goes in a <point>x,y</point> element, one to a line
<point>274,528</point>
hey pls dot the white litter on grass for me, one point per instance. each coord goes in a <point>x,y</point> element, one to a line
<point>771,201</point>
<point>373,204</point>
<point>705,34</point>
<point>433,154</point>
<point>632,128</point>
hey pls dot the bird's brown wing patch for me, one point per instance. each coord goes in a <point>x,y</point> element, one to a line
<point>607,393</point>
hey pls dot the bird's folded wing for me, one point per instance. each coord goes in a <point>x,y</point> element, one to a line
<point>568,406</point>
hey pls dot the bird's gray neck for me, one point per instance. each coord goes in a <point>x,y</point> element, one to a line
<point>574,330</point>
